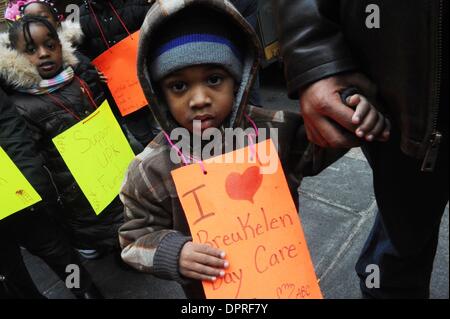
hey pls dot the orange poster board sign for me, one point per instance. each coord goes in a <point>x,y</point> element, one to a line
<point>252,217</point>
<point>119,65</point>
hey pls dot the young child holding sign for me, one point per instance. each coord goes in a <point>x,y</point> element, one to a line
<point>52,99</point>
<point>197,61</point>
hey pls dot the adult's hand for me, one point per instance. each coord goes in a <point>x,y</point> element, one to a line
<point>328,121</point>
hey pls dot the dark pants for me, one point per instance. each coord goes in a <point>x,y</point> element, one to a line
<point>41,237</point>
<point>15,281</point>
<point>404,239</point>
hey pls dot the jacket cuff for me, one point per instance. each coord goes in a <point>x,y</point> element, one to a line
<point>318,73</point>
<point>165,263</point>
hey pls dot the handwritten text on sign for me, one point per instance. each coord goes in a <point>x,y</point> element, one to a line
<point>253,218</point>
<point>16,193</point>
<point>119,65</point>
<point>97,154</point>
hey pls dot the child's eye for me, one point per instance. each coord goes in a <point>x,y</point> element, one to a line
<point>50,44</point>
<point>215,80</point>
<point>178,87</point>
<point>30,50</point>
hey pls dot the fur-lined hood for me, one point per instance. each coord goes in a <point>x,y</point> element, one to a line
<point>17,72</point>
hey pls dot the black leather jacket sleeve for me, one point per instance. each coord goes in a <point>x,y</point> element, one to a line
<point>312,44</point>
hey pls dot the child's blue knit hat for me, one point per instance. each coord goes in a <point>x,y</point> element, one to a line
<point>193,37</point>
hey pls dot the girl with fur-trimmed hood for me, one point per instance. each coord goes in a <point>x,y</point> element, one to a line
<point>38,67</point>
<point>69,31</point>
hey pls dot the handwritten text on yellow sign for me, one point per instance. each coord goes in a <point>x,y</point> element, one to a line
<point>16,193</point>
<point>97,154</point>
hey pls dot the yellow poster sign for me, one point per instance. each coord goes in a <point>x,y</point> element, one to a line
<point>16,193</point>
<point>97,154</point>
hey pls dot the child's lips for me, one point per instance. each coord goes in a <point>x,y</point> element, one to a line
<point>203,117</point>
<point>47,66</point>
<point>207,121</point>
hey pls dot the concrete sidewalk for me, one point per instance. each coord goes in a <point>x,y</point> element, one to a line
<point>337,210</point>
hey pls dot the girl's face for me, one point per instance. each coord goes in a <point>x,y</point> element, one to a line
<point>45,53</point>
<point>41,10</point>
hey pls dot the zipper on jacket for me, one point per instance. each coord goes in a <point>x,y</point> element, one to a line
<point>59,199</point>
<point>429,162</point>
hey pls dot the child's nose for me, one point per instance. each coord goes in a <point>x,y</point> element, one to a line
<point>199,98</point>
<point>43,53</point>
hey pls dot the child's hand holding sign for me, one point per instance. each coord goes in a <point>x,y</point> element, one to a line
<point>202,262</point>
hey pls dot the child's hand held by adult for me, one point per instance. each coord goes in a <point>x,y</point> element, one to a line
<point>373,125</point>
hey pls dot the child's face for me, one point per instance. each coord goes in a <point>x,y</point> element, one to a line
<point>45,53</point>
<point>204,93</point>
<point>41,10</point>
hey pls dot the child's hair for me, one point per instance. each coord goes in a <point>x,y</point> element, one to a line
<point>47,3</point>
<point>23,26</point>
<point>15,9</point>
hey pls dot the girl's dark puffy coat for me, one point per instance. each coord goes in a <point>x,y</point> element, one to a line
<point>17,143</point>
<point>46,121</point>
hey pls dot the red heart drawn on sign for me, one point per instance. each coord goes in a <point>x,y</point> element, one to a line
<point>245,186</point>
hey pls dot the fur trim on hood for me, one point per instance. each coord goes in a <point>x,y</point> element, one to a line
<point>156,17</point>
<point>71,32</point>
<point>17,72</point>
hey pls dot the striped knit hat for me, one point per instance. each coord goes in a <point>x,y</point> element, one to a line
<point>193,37</point>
